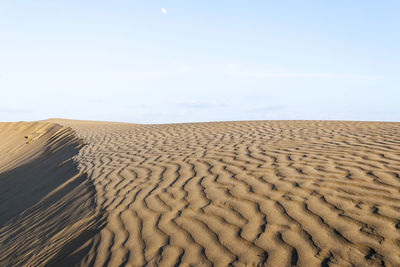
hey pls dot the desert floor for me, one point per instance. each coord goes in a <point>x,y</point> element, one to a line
<point>255,193</point>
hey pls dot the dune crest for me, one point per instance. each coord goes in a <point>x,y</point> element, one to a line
<point>47,208</point>
<point>273,193</point>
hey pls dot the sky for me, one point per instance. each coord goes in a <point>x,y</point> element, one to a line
<point>187,61</point>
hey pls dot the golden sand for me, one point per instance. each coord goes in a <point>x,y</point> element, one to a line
<point>256,193</point>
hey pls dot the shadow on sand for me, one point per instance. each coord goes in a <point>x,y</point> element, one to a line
<point>48,213</point>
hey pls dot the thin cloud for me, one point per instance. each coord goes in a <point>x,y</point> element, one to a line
<point>266,109</point>
<point>238,70</point>
<point>198,104</point>
<point>291,75</point>
<point>15,110</point>
<point>177,69</point>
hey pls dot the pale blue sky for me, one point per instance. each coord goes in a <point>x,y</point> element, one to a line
<point>201,61</point>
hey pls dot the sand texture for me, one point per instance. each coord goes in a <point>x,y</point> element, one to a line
<point>257,193</point>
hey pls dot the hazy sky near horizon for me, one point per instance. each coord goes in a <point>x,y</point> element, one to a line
<point>182,61</point>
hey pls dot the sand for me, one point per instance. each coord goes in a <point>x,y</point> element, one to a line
<point>256,193</point>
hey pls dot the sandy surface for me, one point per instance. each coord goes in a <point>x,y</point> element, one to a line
<point>273,193</point>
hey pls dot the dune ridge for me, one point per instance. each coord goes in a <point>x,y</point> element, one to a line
<point>252,193</point>
<point>47,206</point>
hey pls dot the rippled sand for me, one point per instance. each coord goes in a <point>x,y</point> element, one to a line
<point>273,193</point>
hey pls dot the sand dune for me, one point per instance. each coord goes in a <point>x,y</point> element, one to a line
<point>47,207</point>
<point>273,193</point>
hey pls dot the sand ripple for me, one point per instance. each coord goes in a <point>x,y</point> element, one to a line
<point>245,193</point>
<point>275,193</point>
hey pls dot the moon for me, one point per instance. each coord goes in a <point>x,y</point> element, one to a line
<point>164,10</point>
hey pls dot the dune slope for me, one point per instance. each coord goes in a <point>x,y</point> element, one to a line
<point>47,209</point>
<point>274,193</point>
